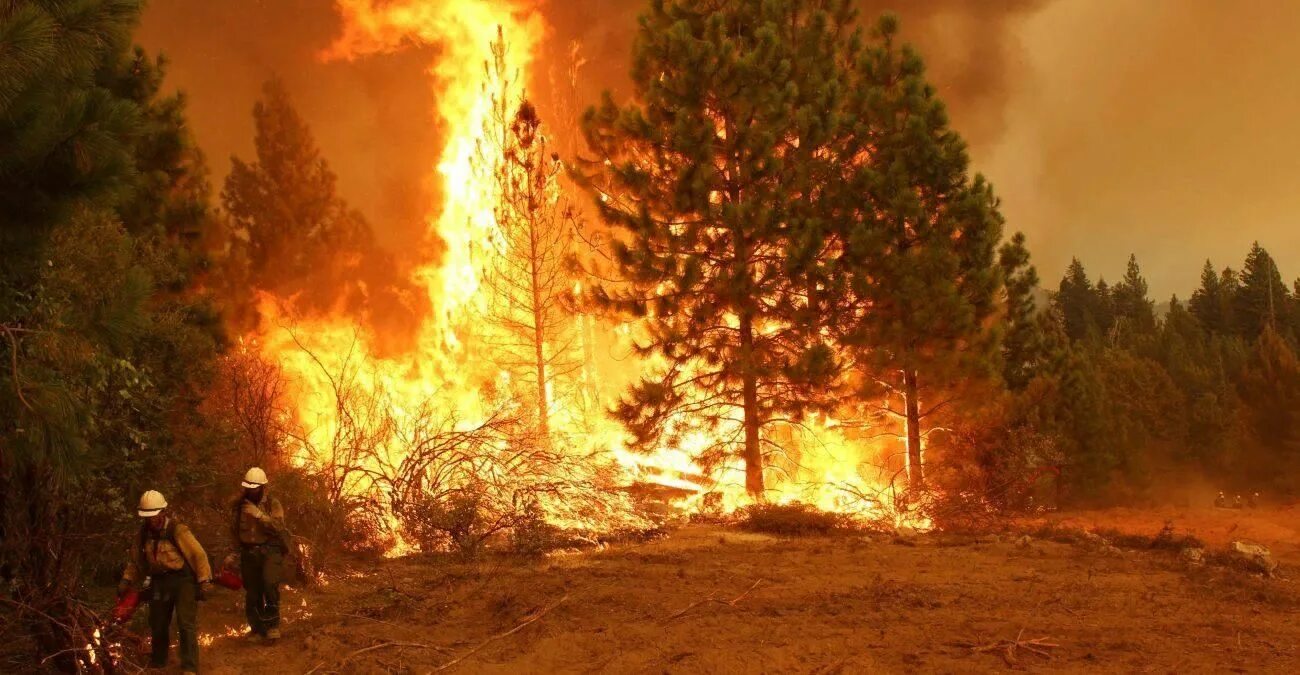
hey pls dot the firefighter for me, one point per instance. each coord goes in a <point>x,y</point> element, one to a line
<point>1221,501</point>
<point>170,559</point>
<point>260,534</point>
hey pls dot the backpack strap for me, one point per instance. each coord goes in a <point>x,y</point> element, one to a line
<point>169,533</point>
<point>140,558</point>
<point>238,513</point>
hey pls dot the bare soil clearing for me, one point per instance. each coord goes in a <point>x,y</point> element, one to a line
<point>689,603</point>
<point>1277,527</point>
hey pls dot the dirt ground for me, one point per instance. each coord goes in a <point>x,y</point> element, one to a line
<point>688,603</point>
<point>1277,527</point>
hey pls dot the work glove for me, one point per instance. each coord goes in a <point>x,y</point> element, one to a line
<point>251,509</point>
<point>202,593</point>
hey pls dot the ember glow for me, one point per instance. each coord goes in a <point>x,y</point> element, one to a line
<point>207,639</point>
<point>345,394</point>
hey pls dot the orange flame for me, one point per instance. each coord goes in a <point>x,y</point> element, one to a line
<point>321,356</point>
<point>464,30</point>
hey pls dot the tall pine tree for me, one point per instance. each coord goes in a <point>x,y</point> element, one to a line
<point>1210,304</point>
<point>287,206</point>
<point>705,178</point>
<point>301,239</point>
<point>1262,298</point>
<point>1076,302</point>
<point>1133,310</point>
<point>1104,308</point>
<point>1023,344</point>
<point>527,281</point>
<point>920,252</point>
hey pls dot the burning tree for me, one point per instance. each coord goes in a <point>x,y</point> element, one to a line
<point>286,205</point>
<point>298,237</point>
<point>709,182</point>
<point>527,279</point>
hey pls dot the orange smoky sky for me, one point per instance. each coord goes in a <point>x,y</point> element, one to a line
<point>1164,128</point>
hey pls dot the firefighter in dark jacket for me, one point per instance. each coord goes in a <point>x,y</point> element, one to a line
<point>260,534</point>
<point>168,555</point>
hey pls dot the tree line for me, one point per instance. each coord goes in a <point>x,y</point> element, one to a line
<point>1206,388</point>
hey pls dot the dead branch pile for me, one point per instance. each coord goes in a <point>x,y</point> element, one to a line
<point>451,482</point>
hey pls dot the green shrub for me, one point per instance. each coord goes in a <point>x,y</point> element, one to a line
<point>461,521</point>
<point>793,520</point>
<point>533,536</point>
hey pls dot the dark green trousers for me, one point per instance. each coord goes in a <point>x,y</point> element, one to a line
<point>262,569</point>
<point>175,594</point>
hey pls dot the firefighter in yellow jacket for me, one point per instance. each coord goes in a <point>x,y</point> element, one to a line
<point>171,559</point>
<point>260,534</point>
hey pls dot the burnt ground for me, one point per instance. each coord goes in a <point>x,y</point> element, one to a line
<point>844,604</point>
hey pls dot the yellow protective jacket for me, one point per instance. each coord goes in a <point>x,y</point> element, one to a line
<point>256,524</point>
<point>170,550</point>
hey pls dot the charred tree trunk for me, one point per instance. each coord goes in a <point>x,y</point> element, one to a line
<point>539,318</point>
<point>915,468</point>
<point>543,402</point>
<point>591,372</point>
<point>753,451</point>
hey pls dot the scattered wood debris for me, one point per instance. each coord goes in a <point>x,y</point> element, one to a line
<point>1010,650</point>
<point>533,617</point>
<point>375,647</point>
<point>712,597</point>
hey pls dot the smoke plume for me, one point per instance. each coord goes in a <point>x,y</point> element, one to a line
<point>1107,128</point>
<point>374,116</point>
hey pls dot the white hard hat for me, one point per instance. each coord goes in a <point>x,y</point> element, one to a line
<point>151,503</point>
<point>255,478</point>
